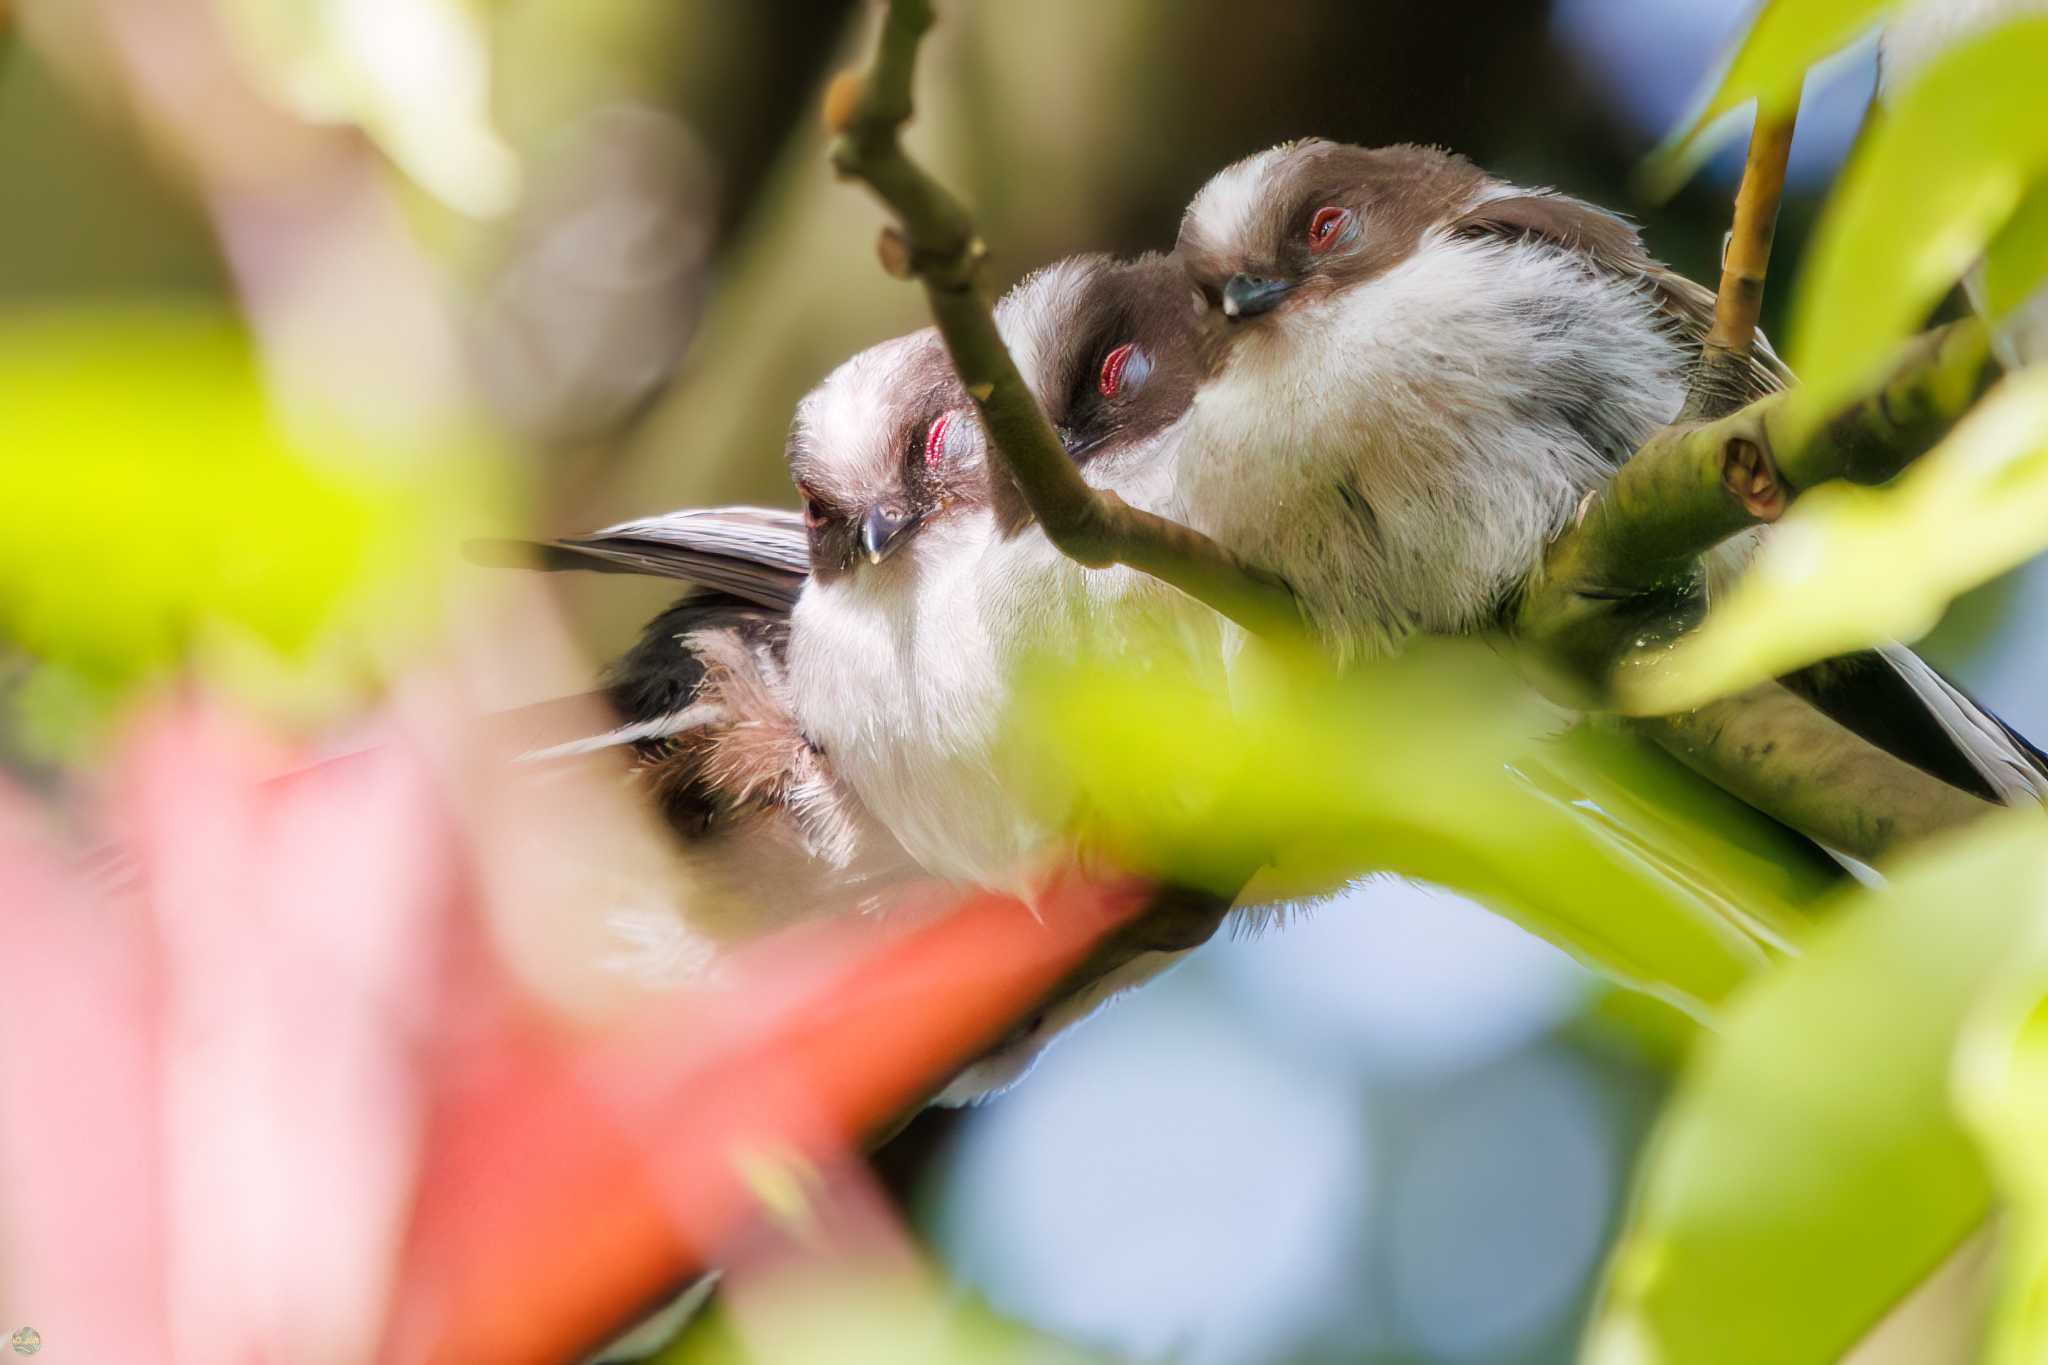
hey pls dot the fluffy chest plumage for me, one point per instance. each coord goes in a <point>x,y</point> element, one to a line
<point>896,676</point>
<point>1401,449</point>
<point>908,680</point>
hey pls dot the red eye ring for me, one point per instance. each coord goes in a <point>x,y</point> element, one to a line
<point>1327,225</point>
<point>1112,377</point>
<point>935,440</point>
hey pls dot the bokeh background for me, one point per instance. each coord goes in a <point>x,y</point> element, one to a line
<point>1397,1130</point>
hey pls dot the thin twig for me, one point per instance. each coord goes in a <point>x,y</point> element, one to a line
<point>938,245</point>
<point>1716,387</point>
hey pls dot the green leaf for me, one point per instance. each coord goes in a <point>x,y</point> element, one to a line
<point>1439,765</point>
<point>1932,184</point>
<point>2002,1089</point>
<point>157,508</point>
<point>1851,567</point>
<point>2017,260</point>
<point>1811,1169</point>
<point>1782,43</point>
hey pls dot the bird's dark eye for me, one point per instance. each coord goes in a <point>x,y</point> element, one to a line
<point>1124,370</point>
<point>814,511</point>
<point>1327,227</point>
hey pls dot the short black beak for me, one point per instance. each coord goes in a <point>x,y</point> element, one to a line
<point>881,531</point>
<point>1247,296</point>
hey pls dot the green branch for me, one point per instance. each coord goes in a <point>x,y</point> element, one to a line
<point>1626,573</point>
<point>1626,579</point>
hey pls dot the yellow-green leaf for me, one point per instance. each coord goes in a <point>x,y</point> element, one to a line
<point>1926,193</point>
<point>2002,1087</point>
<point>1783,41</point>
<point>1811,1170</point>
<point>1438,765</point>
<point>154,503</point>
<point>1851,567</point>
<point>2016,262</point>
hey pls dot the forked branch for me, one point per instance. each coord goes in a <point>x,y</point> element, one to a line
<point>937,244</point>
<point>1629,573</point>
<point>1640,538</point>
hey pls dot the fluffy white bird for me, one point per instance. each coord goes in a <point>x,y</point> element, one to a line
<point>1421,371</point>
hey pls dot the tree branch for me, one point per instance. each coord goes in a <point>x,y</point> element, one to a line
<point>1773,750</point>
<point>1624,577</point>
<point>938,245</point>
<point>1629,574</point>
<point>1634,550</point>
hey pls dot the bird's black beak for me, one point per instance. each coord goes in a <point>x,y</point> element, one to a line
<point>1247,296</point>
<point>881,531</point>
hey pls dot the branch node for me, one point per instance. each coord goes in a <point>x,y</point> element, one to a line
<point>893,250</point>
<point>843,98</point>
<point>1749,473</point>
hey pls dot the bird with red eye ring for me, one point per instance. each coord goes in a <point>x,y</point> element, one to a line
<point>1124,371</point>
<point>1329,226</point>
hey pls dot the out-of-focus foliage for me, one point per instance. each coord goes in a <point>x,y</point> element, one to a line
<point>156,505</point>
<point>413,74</point>
<point>1850,567</point>
<point>1812,1168</point>
<point>847,1317</point>
<point>2002,1089</point>
<point>2017,258</point>
<point>1782,42</point>
<point>1438,765</point>
<point>1936,179</point>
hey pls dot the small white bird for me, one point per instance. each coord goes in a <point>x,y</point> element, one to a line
<point>1423,370</point>
<point>905,648</point>
<point>932,586</point>
<point>871,733</point>
<point>769,832</point>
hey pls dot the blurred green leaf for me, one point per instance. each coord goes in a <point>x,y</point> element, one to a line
<point>1784,40</point>
<point>2002,1089</point>
<point>156,507</point>
<point>849,1312</point>
<point>2017,260</point>
<point>1440,765</point>
<point>1812,1169</point>
<point>1925,194</point>
<point>1850,567</point>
